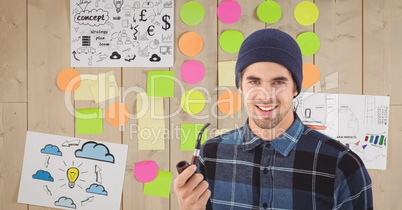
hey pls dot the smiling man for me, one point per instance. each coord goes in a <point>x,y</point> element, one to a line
<point>273,161</point>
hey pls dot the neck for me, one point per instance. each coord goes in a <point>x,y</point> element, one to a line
<point>275,132</point>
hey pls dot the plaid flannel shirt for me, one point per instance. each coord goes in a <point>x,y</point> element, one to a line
<point>301,169</point>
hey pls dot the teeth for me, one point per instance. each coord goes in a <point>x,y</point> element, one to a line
<point>266,108</point>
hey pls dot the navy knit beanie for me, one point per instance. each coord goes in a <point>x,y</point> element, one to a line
<point>271,45</point>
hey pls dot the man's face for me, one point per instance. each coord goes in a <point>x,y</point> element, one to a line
<point>268,90</point>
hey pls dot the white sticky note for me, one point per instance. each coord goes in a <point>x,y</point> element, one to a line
<point>226,73</point>
<point>152,132</point>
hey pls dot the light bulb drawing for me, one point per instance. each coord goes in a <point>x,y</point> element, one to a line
<point>72,176</point>
<point>118,4</point>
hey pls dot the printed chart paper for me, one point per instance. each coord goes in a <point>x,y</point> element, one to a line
<point>129,33</point>
<point>358,121</point>
<point>72,173</point>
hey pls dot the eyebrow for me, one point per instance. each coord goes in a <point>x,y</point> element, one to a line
<point>281,78</point>
<point>253,78</point>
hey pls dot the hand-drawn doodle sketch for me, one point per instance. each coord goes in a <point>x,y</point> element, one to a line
<point>122,33</point>
<point>76,174</point>
<point>358,121</point>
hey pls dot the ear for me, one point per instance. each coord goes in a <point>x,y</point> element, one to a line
<point>295,92</point>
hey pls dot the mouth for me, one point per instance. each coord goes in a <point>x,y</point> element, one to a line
<point>266,108</point>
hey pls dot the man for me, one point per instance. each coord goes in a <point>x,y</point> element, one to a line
<point>273,161</point>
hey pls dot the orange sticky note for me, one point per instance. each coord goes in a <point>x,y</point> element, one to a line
<point>229,102</point>
<point>311,75</point>
<point>68,80</point>
<point>191,43</point>
<point>117,114</point>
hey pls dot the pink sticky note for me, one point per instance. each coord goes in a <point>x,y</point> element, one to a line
<point>146,171</point>
<point>229,11</point>
<point>192,71</point>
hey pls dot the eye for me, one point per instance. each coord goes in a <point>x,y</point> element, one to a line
<point>279,82</point>
<point>253,82</point>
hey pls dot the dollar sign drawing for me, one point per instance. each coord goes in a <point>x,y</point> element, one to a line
<point>167,24</point>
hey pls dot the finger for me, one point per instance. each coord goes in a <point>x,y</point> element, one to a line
<point>182,178</point>
<point>194,181</point>
<point>204,197</point>
<point>200,189</point>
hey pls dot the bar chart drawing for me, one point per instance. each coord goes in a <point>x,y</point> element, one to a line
<point>369,110</point>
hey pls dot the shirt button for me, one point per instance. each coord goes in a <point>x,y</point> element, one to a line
<point>266,170</point>
<point>265,205</point>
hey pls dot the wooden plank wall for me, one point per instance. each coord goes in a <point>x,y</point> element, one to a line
<point>360,42</point>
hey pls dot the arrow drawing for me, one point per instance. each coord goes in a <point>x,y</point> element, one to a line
<point>129,58</point>
<point>98,174</point>
<point>47,190</point>
<point>74,56</point>
<point>70,143</point>
<point>86,201</point>
<point>47,160</point>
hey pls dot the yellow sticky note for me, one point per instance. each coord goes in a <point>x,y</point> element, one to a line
<point>226,73</point>
<point>192,102</point>
<point>105,87</point>
<point>152,132</point>
<point>160,186</point>
<point>83,93</point>
<point>306,13</point>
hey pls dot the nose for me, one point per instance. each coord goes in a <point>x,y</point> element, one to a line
<point>261,93</point>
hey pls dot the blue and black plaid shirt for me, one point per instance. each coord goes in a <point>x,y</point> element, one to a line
<point>301,169</point>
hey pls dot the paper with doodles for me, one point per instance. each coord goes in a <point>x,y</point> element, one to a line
<point>122,33</point>
<point>361,122</point>
<point>72,173</point>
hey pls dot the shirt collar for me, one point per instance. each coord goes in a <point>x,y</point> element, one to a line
<point>283,144</point>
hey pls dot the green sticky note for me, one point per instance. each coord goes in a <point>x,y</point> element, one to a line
<point>231,40</point>
<point>192,13</point>
<point>189,134</point>
<point>309,43</point>
<point>160,84</point>
<point>269,12</point>
<point>306,13</point>
<point>88,121</point>
<point>160,186</point>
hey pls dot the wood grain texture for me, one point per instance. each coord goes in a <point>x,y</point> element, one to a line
<point>13,126</point>
<point>13,48</point>
<point>48,53</point>
<point>340,30</point>
<point>382,49</point>
<point>135,81</point>
<point>207,29</point>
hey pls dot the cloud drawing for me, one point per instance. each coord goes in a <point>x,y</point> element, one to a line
<point>95,151</point>
<point>65,202</point>
<point>43,175</point>
<point>51,150</point>
<point>97,189</point>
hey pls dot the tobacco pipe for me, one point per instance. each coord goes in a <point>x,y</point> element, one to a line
<point>182,165</point>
